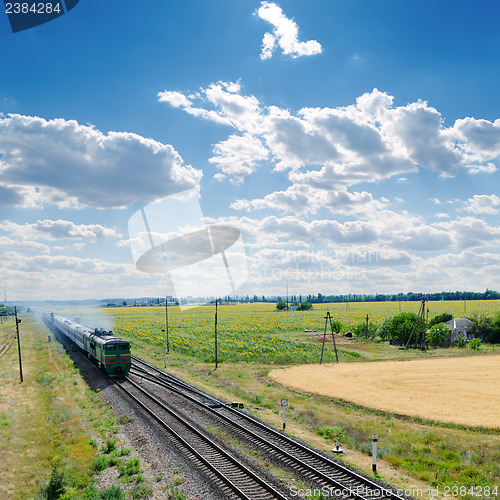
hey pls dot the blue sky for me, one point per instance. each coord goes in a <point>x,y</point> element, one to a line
<point>354,144</point>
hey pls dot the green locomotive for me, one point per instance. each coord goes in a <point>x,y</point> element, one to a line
<point>111,353</point>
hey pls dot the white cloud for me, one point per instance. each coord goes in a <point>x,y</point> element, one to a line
<point>469,232</point>
<point>54,230</point>
<point>326,148</point>
<point>483,204</point>
<point>238,155</point>
<point>268,45</point>
<point>7,243</point>
<point>285,34</point>
<point>67,164</point>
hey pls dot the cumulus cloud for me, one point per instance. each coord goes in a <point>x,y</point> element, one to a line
<point>67,164</point>
<point>9,243</point>
<point>483,204</point>
<point>58,229</point>
<point>285,34</point>
<point>239,155</point>
<point>332,149</point>
<point>469,232</point>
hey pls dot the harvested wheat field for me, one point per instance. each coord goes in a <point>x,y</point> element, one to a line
<point>463,390</point>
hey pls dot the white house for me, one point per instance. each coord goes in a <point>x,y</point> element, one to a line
<point>459,325</point>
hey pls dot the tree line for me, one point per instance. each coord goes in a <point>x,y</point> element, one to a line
<point>380,297</point>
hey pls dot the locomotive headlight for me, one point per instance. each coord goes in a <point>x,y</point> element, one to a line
<point>171,235</point>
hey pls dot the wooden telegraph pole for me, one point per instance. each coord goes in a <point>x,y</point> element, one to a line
<point>328,318</point>
<point>216,361</point>
<point>420,334</point>
<point>166,323</point>
<point>19,344</point>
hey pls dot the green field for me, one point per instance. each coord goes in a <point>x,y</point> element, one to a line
<point>257,332</point>
<point>254,339</point>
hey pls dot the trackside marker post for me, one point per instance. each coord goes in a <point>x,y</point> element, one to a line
<point>284,404</point>
<point>374,453</point>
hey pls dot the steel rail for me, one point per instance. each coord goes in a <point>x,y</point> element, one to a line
<point>214,446</point>
<point>351,475</point>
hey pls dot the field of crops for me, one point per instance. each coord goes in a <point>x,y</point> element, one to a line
<point>247,332</point>
<point>243,334</point>
<point>463,390</point>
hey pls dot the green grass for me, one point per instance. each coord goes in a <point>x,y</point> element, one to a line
<point>46,421</point>
<point>254,340</point>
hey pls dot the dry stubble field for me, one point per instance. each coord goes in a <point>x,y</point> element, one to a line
<point>463,390</point>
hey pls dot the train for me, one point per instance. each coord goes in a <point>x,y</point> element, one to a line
<point>111,353</point>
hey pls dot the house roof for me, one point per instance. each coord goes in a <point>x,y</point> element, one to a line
<point>459,324</point>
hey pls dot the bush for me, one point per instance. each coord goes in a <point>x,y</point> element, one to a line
<point>460,341</point>
<point>437,335</point>
<point>109,446</point>
<point>398,327</point>
<point>55,487</point>
<point>337,326</point>
<point>99,464</point>
<point>141,490</point>
<point>132,466</point>
<point>474,344</point>
<point>494,334</point>
<point>331,433</point>
<point>360,330</point>
<point>440,318</point>
<point>304,306</point>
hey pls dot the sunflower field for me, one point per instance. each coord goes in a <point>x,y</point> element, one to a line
<point>247,332</point>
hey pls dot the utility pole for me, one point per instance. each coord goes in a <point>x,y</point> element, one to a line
<point>216,362</point>
<point>19,344</point>
<point>166,323</point>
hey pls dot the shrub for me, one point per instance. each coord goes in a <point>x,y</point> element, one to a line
<point>112,493</point>
<point>304,306</point>
<point>440,318</point>
<point>437,335</point>
<point>460,340</point>
<point>474,344</point>
<point>109,446</point>
<point>131,467</point>
<point>360,330</point>
<point>99,464</point>
<point>398,327</point>
<point>176,494</point>
<point>55,487</point>
<point>331,433</point>
<point>141,490</point>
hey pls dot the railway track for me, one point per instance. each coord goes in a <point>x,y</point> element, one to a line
<point>233,477</point>
<point>314,468</point>
<point>4,347</point>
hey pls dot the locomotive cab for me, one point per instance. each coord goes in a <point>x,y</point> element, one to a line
<point>117,355</point>
<point>112,353</point>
